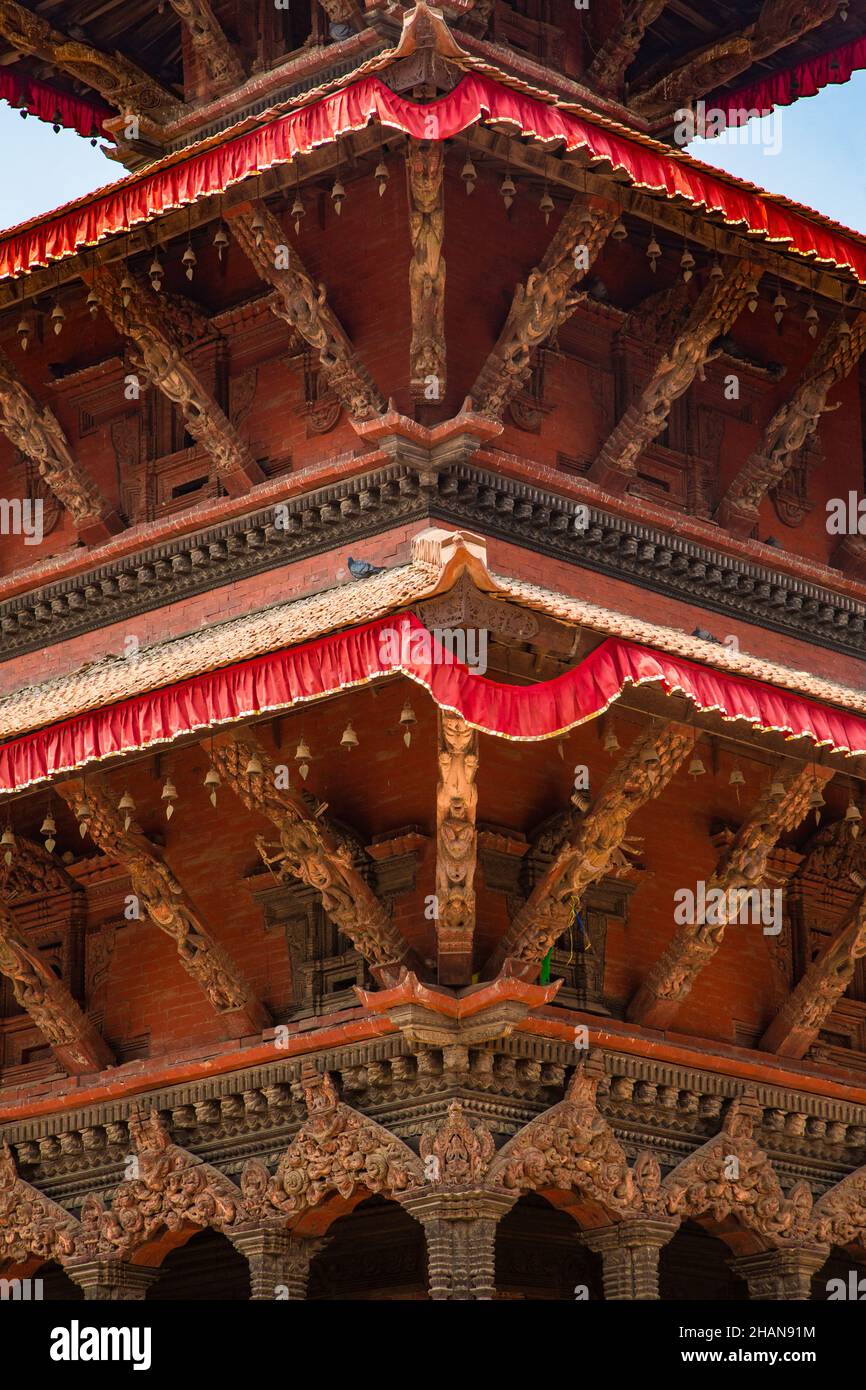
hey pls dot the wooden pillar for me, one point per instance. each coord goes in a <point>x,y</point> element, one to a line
<point>112,1280</point>
<point>279,1262</point>
<point>630,1256</point>
<point>780,1275</point>
<point>460,1227</point>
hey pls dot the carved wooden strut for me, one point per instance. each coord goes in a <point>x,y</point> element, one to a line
<point>209,40</point>
<point>36,431</point>
<point>607,69</point>
<point>599,846</point>
<point>714,314</point>
<point>166,904</point>
<point>742,866</point>
<point>147,322</point>
<point>425,164</point>
<point>793,424</point>
<point>456,848</point>
<point>304,307</point>
<point>308,851</point>
<point>546,300</point>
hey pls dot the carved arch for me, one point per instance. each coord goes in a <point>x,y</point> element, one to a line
<point>839,1217</point>
<point>31,1224</point>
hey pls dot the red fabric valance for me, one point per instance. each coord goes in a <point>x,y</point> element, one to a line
<point>179,181</point>
<point>42,100</point>
<point>805,79</point>
<point>391,646</point>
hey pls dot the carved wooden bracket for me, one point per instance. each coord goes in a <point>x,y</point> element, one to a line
<point>607,69</point>
<point>219,56</point>
<point>546,300</point>
<point>304,307</point>
<point>117,79</point>
<point>793,424</point>
<point>308,851</point>
<point>76,1043</point>
<point>456,848</point>
<point>597,847</point>
<point>36,431</point>
<point>425,164</point>
<point>798,1022</point>
<point>151,326</point>
<point>715,312</point>
<point>743,866</point>
<point>167,905</point>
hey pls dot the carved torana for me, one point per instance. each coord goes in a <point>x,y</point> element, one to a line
<point>164,901</point>
<point>304,307</point>
<point>742,868</point>
<point>598,847</point>
<point>456,848</point>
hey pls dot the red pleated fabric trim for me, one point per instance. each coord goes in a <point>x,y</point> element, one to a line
<point>783,88</point>
<point>211,171</point>
<point>42,100</point>
<point>390,646</point>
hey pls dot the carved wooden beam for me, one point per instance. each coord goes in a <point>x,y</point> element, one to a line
<point>36,431</point>
<point>715,312</point>
<point>800,1019</point>
<point>309,851</point>
<point>544,302</point>
<point>607,69</point>
<point>304,307</point>
<point>425,164</point>
<point>780,23</point>
<point>743,866</point>
<point>121,82</point>
<point>167,905</point>
<point>599,846</point>
<point>147,322</point>
<point>456,849</point>
<point>217,53</point>
<point>343,12</point>
<point>74,1040</point>
<point>793,424</point>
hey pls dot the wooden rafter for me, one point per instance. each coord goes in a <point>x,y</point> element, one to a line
<point>309,851</point>
<point>793,424</point>
<point>36,431</point>
<point>544,302</point>
<point>76,1044</point>
<point>715,312</point>
<point>218,55</point>
<point>145,320</point>
<point>607,69</point>
<point>121,82</point>
<point>800,1019</point>
<point>743,866</point>
<point>598,846</point>
<point>456,848</point>
<point>779,24</point>
<point>167,905</point>
<point>304,307</point>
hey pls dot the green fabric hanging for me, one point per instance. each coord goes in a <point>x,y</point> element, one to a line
<point>545,968</point>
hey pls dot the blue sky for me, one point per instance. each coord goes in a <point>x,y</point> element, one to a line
<point>819,159</point>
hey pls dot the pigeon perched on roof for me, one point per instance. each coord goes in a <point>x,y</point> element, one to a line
<point>362,569</point>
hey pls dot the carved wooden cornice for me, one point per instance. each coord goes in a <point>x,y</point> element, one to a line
<point>304,307</point>
<point>425,165</point>
<point>117,79</point>
<point>456,848</point>
<point>76,1043</point>
<point>336,1151</point>
<point>607,69</point>
<point>714,314</point>
<point>166,903</point>
<point>154,328</point>
<point>209,41</point>
<point>798,1023</point>
<point>793,424</point>
<point>36,431</point>
<point>308,851</point>
<point>742,866</point>
<point>779,24</point>
<point>544,302</point>
<point>598,847</point>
